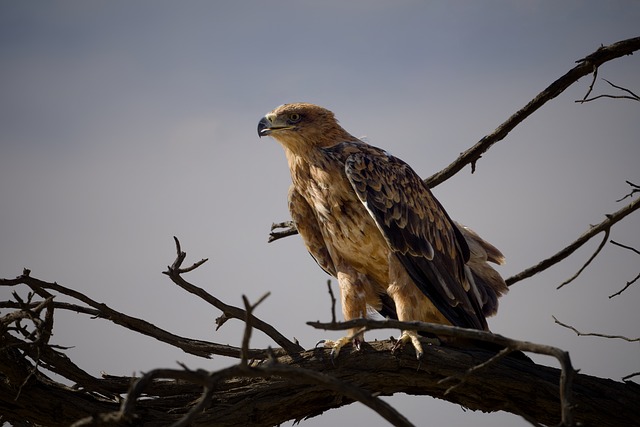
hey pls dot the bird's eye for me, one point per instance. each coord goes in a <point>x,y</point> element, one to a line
<point>294,117</point>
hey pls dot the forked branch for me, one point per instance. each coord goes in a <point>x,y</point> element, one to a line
<point>605,225</point>
<point>510,345</point>
<point>228,311</point>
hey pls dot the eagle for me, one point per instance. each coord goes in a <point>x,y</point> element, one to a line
<point>370,221</point>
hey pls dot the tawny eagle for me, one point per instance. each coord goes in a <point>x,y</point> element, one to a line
<point>370,221</point>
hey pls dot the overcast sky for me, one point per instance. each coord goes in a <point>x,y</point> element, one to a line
<point>125,123</point>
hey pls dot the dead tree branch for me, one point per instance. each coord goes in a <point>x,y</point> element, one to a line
<point>593,334</point>
<point>269,400</point>
<point>196,347</point>
<point>586,65</point>
<point>228,311</point>
<point>634,189</point>
<point>288,386</point>
<point>632,96</point>
<point>584,238</point>
<point>632,281</point>
<point>281,229</point>
<point>510,345</point>
<point>591,258</point>
<point>626,286</point>
<point>613,242</point>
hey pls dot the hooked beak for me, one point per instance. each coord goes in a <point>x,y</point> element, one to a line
<point>264,127</point>
<point>269,124</point>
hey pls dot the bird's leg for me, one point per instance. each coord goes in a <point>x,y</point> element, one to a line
<point>411,304</point>
<point>353,298</point>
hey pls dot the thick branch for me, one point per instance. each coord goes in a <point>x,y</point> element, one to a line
<point>566,376</point>
<point>518,387</point>
<point>191,346</point>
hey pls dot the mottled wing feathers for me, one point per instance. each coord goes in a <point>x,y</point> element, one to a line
<point>418,231</point>
<point>305,220</point>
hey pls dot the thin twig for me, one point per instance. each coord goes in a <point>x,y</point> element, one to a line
<point>634,189</point>
<point>636,97</point>
<point>610,97</point>
<point>461,379</point>
<point>632,96</point>
<point>289,229</point>
<point>229,311</point>
<point>584,238</point>
<point>593,82</point>
<point>593,256</point>
<point>248,321</point>
<point>613,242</point>
<point>629,283</point>
<point>592,334</point>
<point>191,346</point>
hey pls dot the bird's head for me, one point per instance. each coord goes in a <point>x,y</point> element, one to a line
<point>302,126</point>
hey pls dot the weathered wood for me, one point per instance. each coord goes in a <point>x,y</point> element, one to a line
<point>511,385</point>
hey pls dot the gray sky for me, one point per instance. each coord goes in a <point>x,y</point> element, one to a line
<point>125,123</point>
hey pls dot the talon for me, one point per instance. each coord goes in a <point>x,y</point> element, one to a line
<point>357,344</point>
<point>333,355</point>
<point>335,346</point>
<point>413,337</point>
<point>396,346</point>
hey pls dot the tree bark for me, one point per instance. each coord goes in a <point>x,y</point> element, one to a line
<point>516,386</point>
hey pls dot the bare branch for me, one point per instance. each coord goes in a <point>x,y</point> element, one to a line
<point>474,370</point>
<point>567,372</point>
<point>629,283</point>
<point>584,238</point>
<point>585,66</point>
<point>632,281</point>
<point>176,267</point>
<point>224,398</point>
<point>248,327</point>
<point>289,229</point>
<point>632,96</point>
<point>625,246</point>
<point>461,379</point>
<point>593,256</point>
<point>229,311</point>
<point>591,334</point>
<point>593,83</point>
<point>191,346</point>
<point>628,377</point>
<point>634,189</point>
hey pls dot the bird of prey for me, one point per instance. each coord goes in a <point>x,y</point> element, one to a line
<point>370,221</point>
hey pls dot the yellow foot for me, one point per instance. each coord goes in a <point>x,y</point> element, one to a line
<point>336,346</point>
<point>409,336</point>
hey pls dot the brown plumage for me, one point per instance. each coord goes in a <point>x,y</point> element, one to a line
<point>370,221</point>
